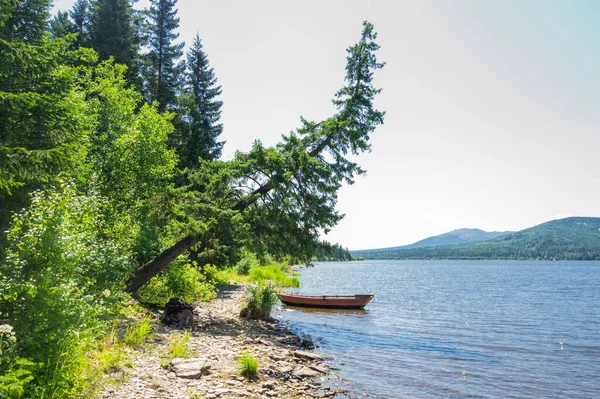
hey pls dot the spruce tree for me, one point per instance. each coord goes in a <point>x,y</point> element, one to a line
<point>24,20</point>
<point>162,69</point>
<point>112,33</point>
<point>80,18</point>
<point>201,111</point>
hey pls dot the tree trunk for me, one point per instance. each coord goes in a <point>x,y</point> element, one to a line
<point>144,273</point>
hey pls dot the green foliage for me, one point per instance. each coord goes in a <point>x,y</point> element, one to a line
<point>112,33</point>
<point>58,282</point>
<point>259,302</point>
<point>181,280</point>
<point>325,251</point>
<point>248,364</point>
<point>248,261</point>
<point>180,346</point>
<point>161,68</point>
<point>200,111</point>
<point>43,123</point>
<point>24,20</point>
<point>138,332</point>
<point>274,274</point>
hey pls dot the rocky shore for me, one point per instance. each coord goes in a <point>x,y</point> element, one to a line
<point>219,336</point>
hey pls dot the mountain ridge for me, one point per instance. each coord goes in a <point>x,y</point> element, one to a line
<point>573,238</point>
<point>458,236</point>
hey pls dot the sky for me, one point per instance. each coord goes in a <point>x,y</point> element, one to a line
<point>493,107</point>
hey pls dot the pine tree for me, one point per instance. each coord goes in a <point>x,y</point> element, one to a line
<point>162,69</point>
<point>201,111</point>
<point>112,34</point>
<point>24,20</point>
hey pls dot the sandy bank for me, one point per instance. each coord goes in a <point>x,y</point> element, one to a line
<point>219,336</point>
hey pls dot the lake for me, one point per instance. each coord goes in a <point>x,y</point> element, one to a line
<point>459,329</point>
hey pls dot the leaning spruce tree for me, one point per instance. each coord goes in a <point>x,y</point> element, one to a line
<point>162,70</point>
<point>300,177</point>
<point>200,108</point>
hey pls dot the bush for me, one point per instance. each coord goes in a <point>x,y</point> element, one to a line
<point>259,302</point>
<point>55,284</point>
<point>248,364</point>
<point>181,279</point>
<point>248,261</point>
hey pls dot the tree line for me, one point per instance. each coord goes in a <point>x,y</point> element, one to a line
<point>111,183</point>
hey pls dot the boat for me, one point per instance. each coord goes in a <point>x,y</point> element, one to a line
<point>326,301</point>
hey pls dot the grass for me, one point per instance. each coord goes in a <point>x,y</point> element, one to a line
<point>137,333</point>
<point>275,273</point>
<point>248,364</point>
<point>180,346</point>
<point>259,302</point>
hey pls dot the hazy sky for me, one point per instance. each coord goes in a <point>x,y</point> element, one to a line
<point>493,107</point>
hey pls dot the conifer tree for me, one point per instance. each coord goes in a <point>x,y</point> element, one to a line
<point>80,18</point>
<point>24,20</point>
<point>61,25</point>
<point>201,111</point>
<point>112,33</point>
<point>161,68</point>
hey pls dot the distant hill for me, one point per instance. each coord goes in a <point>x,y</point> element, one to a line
<point>575,238</point>
<point>460,236</point>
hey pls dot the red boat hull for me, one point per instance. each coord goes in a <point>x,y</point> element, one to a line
<point>326,301</point>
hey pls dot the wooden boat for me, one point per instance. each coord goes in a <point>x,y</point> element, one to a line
<point>326,301</point>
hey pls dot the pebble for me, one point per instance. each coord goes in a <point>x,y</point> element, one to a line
<point>218,339</point>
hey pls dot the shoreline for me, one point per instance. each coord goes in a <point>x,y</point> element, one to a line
<point>219,336</point>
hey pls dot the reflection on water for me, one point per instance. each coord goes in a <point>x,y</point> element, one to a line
<point>443,329</point>
<point>324,310</point>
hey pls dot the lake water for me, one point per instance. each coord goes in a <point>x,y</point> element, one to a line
<point>459,329</point>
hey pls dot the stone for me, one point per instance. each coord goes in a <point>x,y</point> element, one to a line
<point>307,355</point>
<point>190,368</point>
<point>307,342</point>
<point>178,313</point>
<point>305,372</point>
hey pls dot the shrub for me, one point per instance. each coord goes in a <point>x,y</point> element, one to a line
<point>248,261</point>
<point>248,364</point>
<point>259,302</point>
<point>55,284</point>
<point>181,279</point>
<point>138,332</point>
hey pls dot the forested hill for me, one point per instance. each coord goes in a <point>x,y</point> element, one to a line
<point>575,238</point>
<point>460,236</point>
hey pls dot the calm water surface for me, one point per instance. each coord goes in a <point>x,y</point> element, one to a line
<point>460,329</point>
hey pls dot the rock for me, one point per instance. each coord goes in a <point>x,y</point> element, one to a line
<point>307,342</point>
<point>268,385</point>
<point>307,355</point>
<point>305,372</point>
<point>278,356</point>
<point>271,394</point>
<point>190,368</point>
<point>236,392</point>
<point>178,313</point>
<point>318,368</point>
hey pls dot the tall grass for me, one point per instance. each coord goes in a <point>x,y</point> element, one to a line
<point>248,364</point>
<point>180,346</point>
<point>259,302</point>
<point>137,333</point>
